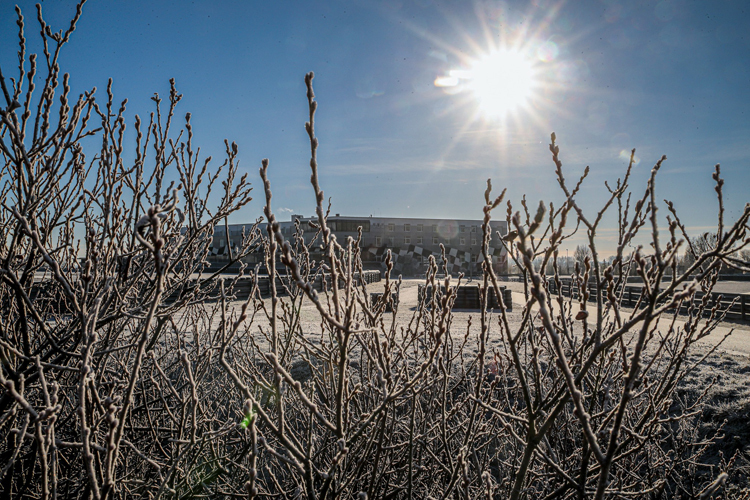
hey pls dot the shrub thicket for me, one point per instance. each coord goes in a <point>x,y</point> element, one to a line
<point>129,370</point>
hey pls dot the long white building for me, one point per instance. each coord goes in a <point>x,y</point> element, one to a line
<point>411,241</point>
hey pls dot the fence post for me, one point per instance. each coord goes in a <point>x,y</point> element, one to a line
<point>742,306</point>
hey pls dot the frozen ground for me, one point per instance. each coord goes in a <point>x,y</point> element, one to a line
<point>738,342</point>
<point>723,374</point>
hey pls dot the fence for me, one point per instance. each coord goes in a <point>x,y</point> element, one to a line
<point>736,305</point>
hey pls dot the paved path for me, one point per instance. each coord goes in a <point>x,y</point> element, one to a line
<point>738,343</point>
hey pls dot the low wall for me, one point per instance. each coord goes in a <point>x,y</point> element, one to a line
<point>467,297</point>
<point>240,288</point>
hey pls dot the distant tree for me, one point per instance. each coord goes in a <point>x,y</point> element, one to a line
<point>744,257</point>
<point>579,256</point>
<point>562,267</point>
<point>738,263</point>
<point>696,247</point>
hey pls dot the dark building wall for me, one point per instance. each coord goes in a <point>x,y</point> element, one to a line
<point>411,240</point>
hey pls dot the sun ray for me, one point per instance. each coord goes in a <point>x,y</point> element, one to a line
<point>507,70</point>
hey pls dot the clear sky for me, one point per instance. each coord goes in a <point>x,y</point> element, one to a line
<point>667,77</point>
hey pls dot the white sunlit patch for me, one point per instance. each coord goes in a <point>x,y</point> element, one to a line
<point>446,81</point>
<point>500,81</point>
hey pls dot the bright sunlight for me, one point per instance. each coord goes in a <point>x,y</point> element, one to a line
<point>501,81</point>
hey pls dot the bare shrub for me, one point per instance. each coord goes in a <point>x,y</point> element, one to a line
<point>128,369</point>
<point>99,309</point>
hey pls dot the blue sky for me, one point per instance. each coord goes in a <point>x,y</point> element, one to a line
<point>667,77</point>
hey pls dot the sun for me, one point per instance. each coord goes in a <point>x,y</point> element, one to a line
<point>501,82</point>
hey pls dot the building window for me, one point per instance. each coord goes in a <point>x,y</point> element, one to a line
<point>434,240</point>
<point>473,241</point>
<point>407,227</point>
<point>378,241</point>
<point>434,228</point>
<point>473,229</point>
<point>463,241</point>
<point>407,241</point>
<point>419,228</point>
<point>419,240</point>
<point>391,227</point>
<point>473,258</point>
<point>391,241</point>
<point>349,226</point>
<point>463,229</point>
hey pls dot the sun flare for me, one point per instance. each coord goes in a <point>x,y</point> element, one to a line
<point>501,81</point>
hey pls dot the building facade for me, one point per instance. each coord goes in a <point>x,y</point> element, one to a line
<point>411,241</point>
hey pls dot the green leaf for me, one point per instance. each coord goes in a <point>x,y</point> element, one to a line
<point>248,419</point>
